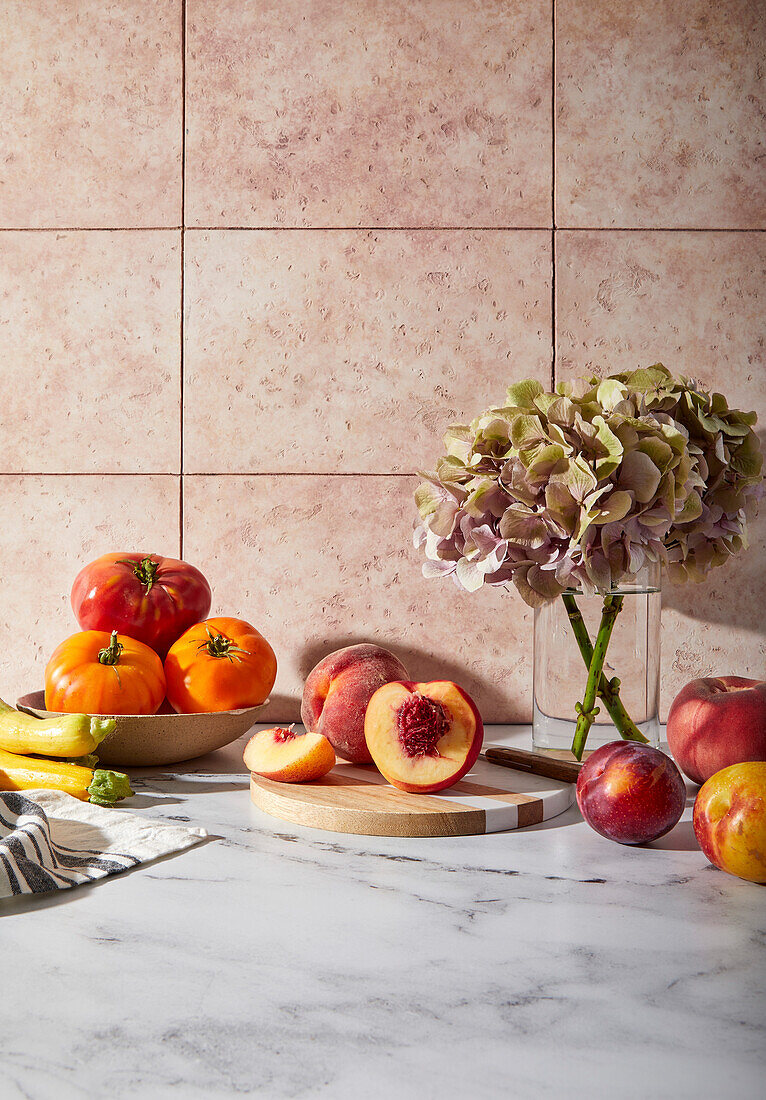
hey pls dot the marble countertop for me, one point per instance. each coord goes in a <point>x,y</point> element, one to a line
<point>293,963</point>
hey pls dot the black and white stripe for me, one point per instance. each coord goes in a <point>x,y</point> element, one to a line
<point>31,862</point>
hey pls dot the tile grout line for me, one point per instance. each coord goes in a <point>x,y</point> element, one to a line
<point>380,229</point>
<point>88,228</point>
<point>208,473</point>
<point>183,289</point>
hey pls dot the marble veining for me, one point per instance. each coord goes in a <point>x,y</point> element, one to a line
<point>297,963</point>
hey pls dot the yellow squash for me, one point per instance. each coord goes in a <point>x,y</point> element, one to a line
<point>67,735</point>
<point>22,773</point>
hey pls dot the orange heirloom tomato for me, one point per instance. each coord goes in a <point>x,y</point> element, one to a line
<point>97,673</point>
<point>219,664</point>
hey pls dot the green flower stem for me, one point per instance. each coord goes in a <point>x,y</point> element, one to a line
<point>608,690</point>
<point>587,710</point>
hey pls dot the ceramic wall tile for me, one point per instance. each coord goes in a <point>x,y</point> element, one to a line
<point>90,327</point>
<point>717,628</point>
<point>695,302</point>
<point>353,351</point>
<point>90,100</point>
<point>322,562</point>
<point>659,114</point>
<point>52,526</point>
<point>386,113</point>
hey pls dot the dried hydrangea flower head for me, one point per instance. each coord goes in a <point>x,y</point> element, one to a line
<point>582,486</point>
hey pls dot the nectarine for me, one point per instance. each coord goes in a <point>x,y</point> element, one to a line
<point>630,793</point>
<point>289,757</point>
<point>337,692</point>
<point>717,721</point>
<point>730,820</point>
<point>423,737</point>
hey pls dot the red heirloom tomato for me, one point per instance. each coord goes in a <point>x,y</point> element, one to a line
<point>221,664</point>
<point>145,596</point>
<point>98,673</point>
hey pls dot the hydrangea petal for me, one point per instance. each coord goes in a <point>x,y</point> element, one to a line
<point>639,475</point>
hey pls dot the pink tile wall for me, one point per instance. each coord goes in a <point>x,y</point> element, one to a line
<point>243,291</point>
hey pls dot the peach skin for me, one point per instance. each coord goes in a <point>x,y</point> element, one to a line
<point>337,692</point>
<point>289,757</point>
<point>630,793</point>
<point>717,721</point>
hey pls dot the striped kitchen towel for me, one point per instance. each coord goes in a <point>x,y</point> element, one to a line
<point>51,841</point>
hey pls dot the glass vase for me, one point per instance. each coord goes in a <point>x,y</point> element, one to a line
<point>633,656</point>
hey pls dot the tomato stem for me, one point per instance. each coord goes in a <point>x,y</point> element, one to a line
<point>218,645</point>
<point>144,570</point>
<point>110,655</point>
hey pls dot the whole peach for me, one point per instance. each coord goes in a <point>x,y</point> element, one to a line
<point>717,721</point>
<point>730,820</point>
<point>337,692</point>
<point>630,792</point>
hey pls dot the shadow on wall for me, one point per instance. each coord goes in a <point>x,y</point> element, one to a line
<point>421,665</point>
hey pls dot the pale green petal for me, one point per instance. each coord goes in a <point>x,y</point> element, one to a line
<point>521,395</point>
<point>691,510</point>
<point>521,526</point>
<point>544,401</point>
<point>546,461</point>
<point>747,459</point>
<point>610,392</point>
<point>562,411</point>
<point>458,440</point>
<point>561,505</point>
<point>578,478</point>
<point>608,463</point>
<point>675,437</point>
<point>437,507</point>
<point>639,474</point>
<point>526,430</point>
<point>649,378</point>
<point>661,453</point>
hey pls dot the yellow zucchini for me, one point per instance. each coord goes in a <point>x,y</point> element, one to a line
<point>67,735</point>
<point>21,773</point>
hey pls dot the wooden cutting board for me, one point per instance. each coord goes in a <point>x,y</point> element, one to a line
<point>357,799</point>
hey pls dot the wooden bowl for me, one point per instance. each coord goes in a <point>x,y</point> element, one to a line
<point>153,740</point>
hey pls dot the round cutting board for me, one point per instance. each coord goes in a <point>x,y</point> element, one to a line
<point>357,799</point>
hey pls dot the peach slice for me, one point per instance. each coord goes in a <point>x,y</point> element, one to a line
<point>289,757</point>
<point>423,737</point>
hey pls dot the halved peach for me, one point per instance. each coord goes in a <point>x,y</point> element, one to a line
<point>289,757</point>
<point>423,737</point>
